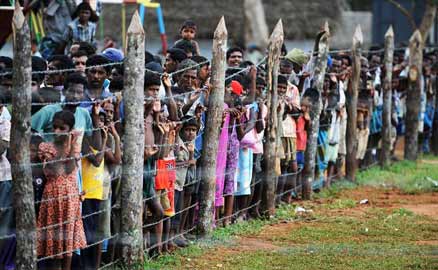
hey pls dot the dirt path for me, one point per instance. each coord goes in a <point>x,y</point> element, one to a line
<point>274,239</point>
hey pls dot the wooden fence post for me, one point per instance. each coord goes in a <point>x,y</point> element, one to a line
<point>270,147</point>
<point>385,157</point>
<point>131,235</point>
<point>23,198</point>
<point>352,96</point>
<point>212,129</point>
<point>315,111</point>
<point>413,97</point>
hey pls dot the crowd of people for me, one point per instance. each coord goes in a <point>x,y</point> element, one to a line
<point>77,138</point>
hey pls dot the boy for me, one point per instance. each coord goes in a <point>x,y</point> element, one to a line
<point>185,185</point>
<point>188,32</point>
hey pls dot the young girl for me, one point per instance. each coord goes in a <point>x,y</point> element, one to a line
<point>60,227</point>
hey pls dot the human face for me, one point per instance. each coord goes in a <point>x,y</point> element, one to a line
<point>84,15</point>
<point>188,33</point>
<point>6,89</point>
<point>189,133</point>
<point>96,76</point>
<point>336,65</point>
<point>74,92</point>
<point>60,128</point>
<point>109,110</point>
<point>35,86</point>
<point>345,64</point>
<point>80,63</point>
<point>170,64</point>
<point>54,79</point>
<point>115,75</point>
<point>375,61</point>
<point>204,73</point>
<point>152,91</point>
<point>281,89</point>
<point>188,79</point>
<point>285,68</point>
<point>259,89</point>
<point>235,59</point>
<point>74,49</point>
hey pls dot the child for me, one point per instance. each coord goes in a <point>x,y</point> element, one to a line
<point>188,32</point>
<point>60,227</point>
<point>38,177</point>
<point>185,185</point>
<point>7,227</point>
<point>96,190</point>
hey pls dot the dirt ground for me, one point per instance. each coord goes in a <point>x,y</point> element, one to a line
<point>421,204</point>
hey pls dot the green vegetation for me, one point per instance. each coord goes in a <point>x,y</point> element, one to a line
<point>410,177</point>
<point>338,233</point>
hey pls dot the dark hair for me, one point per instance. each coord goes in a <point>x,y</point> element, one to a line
<point>189,121</point>
<point>260,81</point>
<point>79,53</point>
<point>246,64</point>
<point>6,67</point>
<point>177,55</point>
<point>186,46</point>
<point>75,78</point>
<point>200,59</point>
<point>87,47</point>
<point>282,79</point>
<point>286,62</point>
<point>36,139</point>
<point>234,49</point>
<point>6,61</point>
<point>67,117</point>
<point>98,59</point>
<point>64,62</point>
<point>38,64</point>
<point>348,58</point>
<point>151,78</point>
<point>188,24</point>
<point>148,57</point>
<point>85,6</point>
<point>283,49</point>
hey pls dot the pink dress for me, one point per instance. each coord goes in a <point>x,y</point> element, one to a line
<point>221,161</point>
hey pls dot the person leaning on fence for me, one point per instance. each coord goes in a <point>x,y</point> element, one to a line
<point>60,228</point>
<point>185,185</point>
<point>7,222</point>
<point>97,76</point>
<point>96,189</point>
<point>153,211</point>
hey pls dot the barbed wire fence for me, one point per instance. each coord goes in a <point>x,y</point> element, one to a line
<point>296,189</point>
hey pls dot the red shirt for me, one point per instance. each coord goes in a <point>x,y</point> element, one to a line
<point>301,134</point>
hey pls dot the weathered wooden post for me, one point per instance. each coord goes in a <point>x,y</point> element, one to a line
<point>131,235</point>
<point>23,199</point>
<point>385,157</point>
<point>352,96</point>
<point>270,147</point>
<point>212,129</point>
<point>315,111</point>
<point>413,97</point>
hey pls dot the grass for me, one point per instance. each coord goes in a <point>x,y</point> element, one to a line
<point>332,236</point>
<point>410,177</point>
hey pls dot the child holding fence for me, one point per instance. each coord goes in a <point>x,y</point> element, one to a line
<point>60,227</point>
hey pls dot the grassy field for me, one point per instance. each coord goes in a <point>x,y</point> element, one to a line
<point>396,229</point>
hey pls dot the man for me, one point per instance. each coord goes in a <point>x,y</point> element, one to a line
<point>297,58</point>
<point>174,56</point>
<point>75,86</point>
<point>56,80</point>
<point>187,82</point>
<point>234,57</point>
<point>80,60</point>
<point>97,75</point>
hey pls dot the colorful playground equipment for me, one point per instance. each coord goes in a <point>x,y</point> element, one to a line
<point>36,22</point>
<point>143,5</point>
